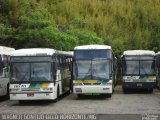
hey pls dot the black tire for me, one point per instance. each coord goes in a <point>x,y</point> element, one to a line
<point>150,90</point>
<point>80,96</point>
<point>21,101</point>
<point>124,90</point>
<point>7,96</point>
<point>109,95</point>
<point>56,100</point>
<point>104,95</point>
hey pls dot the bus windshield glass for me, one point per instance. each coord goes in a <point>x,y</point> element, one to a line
<point>147,67</point>
<point>91,54</point>
<point>31,71</point>
<point>91,69</point>
<point>40,72</point>
<point>139,65</point>
<point>131,67</point>
<point>20,72</point>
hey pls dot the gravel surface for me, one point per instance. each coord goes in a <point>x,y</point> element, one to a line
<point>119,103</point>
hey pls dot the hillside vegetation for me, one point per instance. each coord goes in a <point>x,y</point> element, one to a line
<point>63,24</point>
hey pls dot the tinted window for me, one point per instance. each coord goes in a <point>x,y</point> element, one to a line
<point>91,54</point>
<point>31,59</point>
<point>147,67</point>
<point>131,67</point>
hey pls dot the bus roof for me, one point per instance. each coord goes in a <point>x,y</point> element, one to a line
<point>39,52</point>
<point>6,50</point>
<point>33,52</point>
<point>85,47</point>
<point>139,52</point>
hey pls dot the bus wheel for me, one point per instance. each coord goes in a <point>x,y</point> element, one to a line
<point>56,100</point>
<point>21,101</point>
<point>106,95</point>
<point>150,90</point>
<point>7,95</point>
<point>124,90</point>
<point>109,95</point>
<point>80,95</point>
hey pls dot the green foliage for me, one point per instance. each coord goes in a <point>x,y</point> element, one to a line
<point>6,34</point>
<point>63,24</point>
<point>128,24</point>
<point>85,37</point>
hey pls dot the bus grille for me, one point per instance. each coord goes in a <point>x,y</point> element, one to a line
<point>30,89</point>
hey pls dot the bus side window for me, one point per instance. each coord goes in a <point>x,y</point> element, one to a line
<point>54,70</point>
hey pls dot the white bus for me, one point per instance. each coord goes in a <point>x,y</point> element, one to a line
<point>40,74</point>
<point>158,68</point>
<point>4,69</point>
<point>93,70</point>
<point>138,70</point>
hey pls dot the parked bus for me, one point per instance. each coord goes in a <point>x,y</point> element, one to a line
<point>93,70</point>
<point>4,69</point>
<point>158,68</point>
<point>40,74</point>
<point>138,70</point>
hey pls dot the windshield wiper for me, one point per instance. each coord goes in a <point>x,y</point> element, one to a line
<point>98,76</point>
<point>134,70</point>
<point>36,76</point>
<point>144,70</point>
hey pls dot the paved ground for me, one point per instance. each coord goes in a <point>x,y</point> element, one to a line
<point>119,103</point>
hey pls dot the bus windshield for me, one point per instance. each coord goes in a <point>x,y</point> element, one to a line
<point>131,67</point>
<point>139,66</point>
<point>31,72</point>
<point>91,69</point>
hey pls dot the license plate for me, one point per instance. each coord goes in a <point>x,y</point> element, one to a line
<point>139,84</point>
<point>78,90</point>
<point>30,94</point>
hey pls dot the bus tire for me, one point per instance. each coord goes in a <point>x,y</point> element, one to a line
<point>79,96</point>
<point>21,101</point>
<point>109,95</point>
<point>124,90</point>
<point>56,100</point>
<point>7,95</point>
<point>150,90</point>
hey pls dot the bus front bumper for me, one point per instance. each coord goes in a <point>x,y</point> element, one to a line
<point>84,89</point>
<point>32,96</point>
<point>143,85</point>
